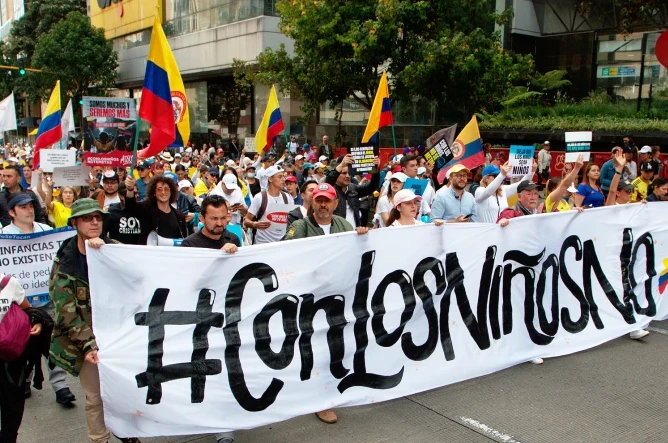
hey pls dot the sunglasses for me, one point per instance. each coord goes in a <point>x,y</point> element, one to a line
<point>89,217</point>
<point>141,169</point>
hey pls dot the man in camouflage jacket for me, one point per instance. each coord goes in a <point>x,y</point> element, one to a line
<point>73,346</point>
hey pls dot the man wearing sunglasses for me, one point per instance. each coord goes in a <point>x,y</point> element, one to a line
<point>73,345</point>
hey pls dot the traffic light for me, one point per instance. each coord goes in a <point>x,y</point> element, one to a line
<point>79,99</point>
<point>22,69</point>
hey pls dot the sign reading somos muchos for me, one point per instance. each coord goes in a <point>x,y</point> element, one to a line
<point>275,331</point>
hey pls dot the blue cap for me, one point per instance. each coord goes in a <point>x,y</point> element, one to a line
<point>19,200</point>
<point>306,146</point>
<point>172,176</point>
<point>214,171</point>
<point>491,170</point>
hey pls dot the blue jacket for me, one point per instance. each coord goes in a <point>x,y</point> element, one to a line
<point>607,173</point>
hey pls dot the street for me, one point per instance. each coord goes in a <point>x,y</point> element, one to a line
<point>613,393</point>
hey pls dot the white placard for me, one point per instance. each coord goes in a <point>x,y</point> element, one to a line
<point>290,328</point>
<point>249,145</point>
<point>71,175</point>
<point>578,143</point>
<point>520,159</point>
<point>51,158</point>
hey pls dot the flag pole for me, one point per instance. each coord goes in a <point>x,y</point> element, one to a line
<point>394,140</point>
<point>134,148</point>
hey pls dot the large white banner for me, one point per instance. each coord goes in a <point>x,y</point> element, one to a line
<point>197,341</point>
<point>29,258</point>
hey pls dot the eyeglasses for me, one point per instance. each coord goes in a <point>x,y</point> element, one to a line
<point>162,190</point>
<point>464,175</point>
<point>89,217</point>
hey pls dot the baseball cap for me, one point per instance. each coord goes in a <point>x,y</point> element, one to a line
<point>398,158</point>
<point>646,166</point>
<point>273,170</point>
<point>230,163</point>
<point>214,171</point>
<point>403,196</point>
<point>230,181</point>
<point>171,175</point>
<point>458,168</point>
<point>399,176</point>
<point>110,175</point>
<point>325,190</point>
<point>421,170</point>
<point>85,206</point>
<point>220,150</point>
<point>491,170</point>
<point>299,157</point>
<point>526,185</point>
<point>268,158</point>
<point>307,166</point>
<point>323,158</point>
<point>144,165</point>
<point>626,185</point>
<point>627,149</point>
<point>306,146</point>
<point>291,178</point>
<point>177,155</point>
<point>318,165</point>
<point>645,150</point>
<point>19,200</point>
<point>546,142</point>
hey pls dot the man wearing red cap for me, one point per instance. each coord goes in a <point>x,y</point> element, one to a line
<point>293,189</point>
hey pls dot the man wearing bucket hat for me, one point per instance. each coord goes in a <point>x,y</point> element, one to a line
<point>73,345</point>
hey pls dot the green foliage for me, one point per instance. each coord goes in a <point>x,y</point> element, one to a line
<point>229,95</point>
<point>631,14</point>
<point>544,88</point>
<point>550,81</point>
<point>442,50</point>
<point>79,56</point>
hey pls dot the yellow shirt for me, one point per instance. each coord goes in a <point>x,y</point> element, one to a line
<point>60,214</point>
<point>562,205</point>
<point>640,193</point>
<point>201,188</point>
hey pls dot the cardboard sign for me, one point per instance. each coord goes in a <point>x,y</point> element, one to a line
<point>578,143</point>
<point>71,175</point>
<point>440,154</point>
<point>521,160</point>
<point>249,146</point>
<point>109,131</point>
<point>277,215</point>
<point>53,158</point>
<point>363,156</point>
<point>416,185</point>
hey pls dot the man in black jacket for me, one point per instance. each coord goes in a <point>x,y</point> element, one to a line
<point>12,179</point>
<point>349,194</point>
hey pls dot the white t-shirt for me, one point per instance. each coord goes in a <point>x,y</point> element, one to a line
<point>267,235</point>
<point>235,198</point>
<point>350,215</point>
<point>110,200</point>
<point>384,206</point>
<point>36,227</point>
<point>12,293</point>
<point>292,146</point>
<point>304,211</point>
<point>326,228</point>
<point>416,222</point>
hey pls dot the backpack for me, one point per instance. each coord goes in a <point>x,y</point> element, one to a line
<point>14,329</point>
<point>263,208</point>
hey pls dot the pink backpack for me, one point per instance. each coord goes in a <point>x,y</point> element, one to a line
<point>14,329</point>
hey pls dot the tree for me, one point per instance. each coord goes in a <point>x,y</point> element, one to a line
<point>442,50</point>
<point>632,14</point>
<point>229,95</point>
<point>82,58</point>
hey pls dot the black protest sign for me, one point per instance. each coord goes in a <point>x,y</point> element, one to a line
<point>363,156</point>
<point>440,154</point>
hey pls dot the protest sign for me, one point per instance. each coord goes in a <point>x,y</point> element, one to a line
<point>417,186</point>
<point>71,175</point>
<point>277,215</point>
<point>440,154</point>
<point>249,146</point>
<point>225,342</point>
<point>578,143</point>
<point>363,156</point>
<point>109,130</point>
<point>521,160</point>
<point>52,158</point>
<point>29,258</point>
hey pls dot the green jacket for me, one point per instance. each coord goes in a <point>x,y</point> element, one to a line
<point>308,227</point>
<point>72,333</point>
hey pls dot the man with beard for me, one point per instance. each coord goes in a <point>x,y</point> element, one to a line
<point>451,203</point>
<point>109,193</point>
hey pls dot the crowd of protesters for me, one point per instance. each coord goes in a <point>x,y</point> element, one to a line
<point>218,199</point>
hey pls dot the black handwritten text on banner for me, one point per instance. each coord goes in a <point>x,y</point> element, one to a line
<point>230,342</point>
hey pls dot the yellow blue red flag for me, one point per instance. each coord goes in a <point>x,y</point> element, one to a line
<point>49,131</point>
<point>381,111</point>
<point>271,125</point>
<point>467,150</point>
<point>163,101</point>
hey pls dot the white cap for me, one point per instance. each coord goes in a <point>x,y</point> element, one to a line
<point>247,161</point>
<point>421,170</point>
<point>399,176</point>
<point>299,157</point>
<point>318,165</point>
<point>230,181</point>
<point>546,142</point>
<point>184,184</point>
<point>323,158</point>
<point>398,157</point>
<point>572,188</point>
<point>645,150</point>
<point>230,163</point>
<point>272,170</point>
<point>403,196</point>
<point>13,160</point>
<point>388,176</point>
<point>177,155</point>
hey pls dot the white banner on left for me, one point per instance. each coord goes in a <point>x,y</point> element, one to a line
<point>8,114</point>
<point>29,258</point>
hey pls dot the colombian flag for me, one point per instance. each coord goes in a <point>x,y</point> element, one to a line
<point>49,131</point>
<point>381,112</point>
<point>467,149</point>
<point>163,101</point>
<point>271,125</point>
<point>663,277</point>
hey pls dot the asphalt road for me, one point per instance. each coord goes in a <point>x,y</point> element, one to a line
<point>613,393</point>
